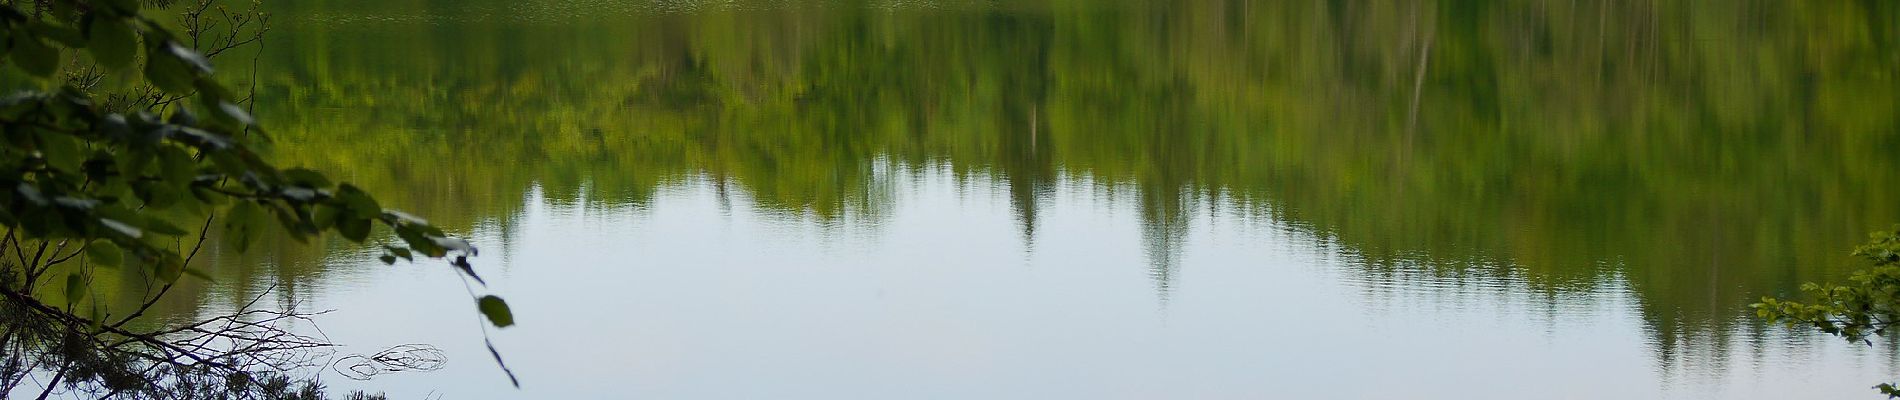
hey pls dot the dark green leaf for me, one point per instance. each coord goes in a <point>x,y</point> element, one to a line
<point>418,241</point>
<point>57,32</point>
<point>64,10</point>
<point>209,196</point>
<point>212,92</point>
<point>134,165</point>
<point>160,226</point>
<point>61,151</point>
<point>35,57</point>
<point>104,253</point>
<point>177,166</point>
<point>496,311</point>
<point>307,177</point>
<point>400,252</point>
<point>113,43</point>
<point>325,216</point>
<point>159,194</point>
<point>227,162</point>
<point>360,204</point>
<point>354,229</point>
<point>75,288</point>
<point>167,73</point>
<point>168,268</point>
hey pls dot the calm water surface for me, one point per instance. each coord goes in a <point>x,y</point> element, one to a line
<point>1357,199</point>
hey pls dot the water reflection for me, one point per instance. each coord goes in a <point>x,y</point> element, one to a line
<point>1587,182</point>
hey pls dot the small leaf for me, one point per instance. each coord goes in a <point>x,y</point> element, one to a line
<point>307,177</point>
<point>167,73</point>
<point>359,202</point>
<point>105,253</point>
<point>210,197</point>
<point>158,194</point>
<point>157,225</point>
<point>419,241</point>
<point>75,288</point>
<point>400,252</point>
<point>496,311</point>
<point>61,151</point>
<point>354,229</point>
<point>211,91</point>
<point>176,165</point>
<point>35,57</point>
<point>169,268</point>
<point>113,42</point>
<point>134,165</point>
<point>57,32</point>
<point>324,216</point>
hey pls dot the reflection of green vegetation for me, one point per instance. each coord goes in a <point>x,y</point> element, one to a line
<point>1708,153</point>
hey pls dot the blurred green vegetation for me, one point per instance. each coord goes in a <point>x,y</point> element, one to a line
<point>1707,152</point>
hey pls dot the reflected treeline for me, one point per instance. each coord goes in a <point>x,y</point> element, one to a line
<point>1708,152</point>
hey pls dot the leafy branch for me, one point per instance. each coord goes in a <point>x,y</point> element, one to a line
<point>104,182</point>
<point>1867,306</point>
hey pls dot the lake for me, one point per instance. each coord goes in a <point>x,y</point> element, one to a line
<point>1072,199</point>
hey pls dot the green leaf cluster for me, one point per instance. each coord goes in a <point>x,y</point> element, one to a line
<point>78,172</point>
<point>1864,307</point>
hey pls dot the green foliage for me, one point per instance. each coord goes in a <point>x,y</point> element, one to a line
<point>1867,306</point>
<point>496,310</point>
<point>79,172</point>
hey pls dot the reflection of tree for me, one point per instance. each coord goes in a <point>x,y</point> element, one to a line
<point>1644,139</point>
<point>1022,161</point>
<point>1164,228</point>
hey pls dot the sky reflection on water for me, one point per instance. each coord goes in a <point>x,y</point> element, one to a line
<point>1206,199</point>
